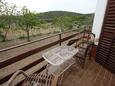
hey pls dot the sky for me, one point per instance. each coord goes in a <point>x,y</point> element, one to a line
<point>78,6</point>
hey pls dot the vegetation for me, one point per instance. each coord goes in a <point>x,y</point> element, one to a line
<point>27,21</point>
<point>20,21</point>
<point>63,22</point>
<point>49,16</point>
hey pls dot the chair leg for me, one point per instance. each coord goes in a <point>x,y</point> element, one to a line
<point>60,79</point>
<point>47,69</point>
<point>55,81</point>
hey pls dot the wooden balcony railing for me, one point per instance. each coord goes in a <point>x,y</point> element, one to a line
<point>14,59</point>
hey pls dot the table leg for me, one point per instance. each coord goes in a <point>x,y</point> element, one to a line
<point>60,79</point>
<point>47,69</point>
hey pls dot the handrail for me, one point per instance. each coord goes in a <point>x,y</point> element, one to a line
<point>26,43</point>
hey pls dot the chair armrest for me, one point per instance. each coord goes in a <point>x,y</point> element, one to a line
<point>15,75</point>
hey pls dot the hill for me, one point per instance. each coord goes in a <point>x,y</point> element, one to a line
<point>49,16</point>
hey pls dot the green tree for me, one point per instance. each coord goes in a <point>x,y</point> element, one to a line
<point>28,20</point>
<point>4,27</point>
<point>6,17</point>
<point>63,22</point>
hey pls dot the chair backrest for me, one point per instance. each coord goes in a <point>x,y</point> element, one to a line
<point>86,41</point>
<point>88,37</point>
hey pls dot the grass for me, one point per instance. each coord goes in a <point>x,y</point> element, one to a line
<point>22,37</point>
<point>1,38</point>
<point>32,36</point>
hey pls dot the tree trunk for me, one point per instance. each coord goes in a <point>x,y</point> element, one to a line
<point>5,35</point>
<point>28,34</point>
<point>39,30</point>
<point>61,29</point>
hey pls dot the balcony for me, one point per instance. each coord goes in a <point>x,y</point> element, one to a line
<point>27,57</point>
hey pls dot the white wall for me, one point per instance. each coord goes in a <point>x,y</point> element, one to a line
<point>99,16</point>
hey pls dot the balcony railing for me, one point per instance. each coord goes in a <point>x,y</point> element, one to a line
<point>41,45</point>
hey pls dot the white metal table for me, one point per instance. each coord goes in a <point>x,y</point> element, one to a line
<point>60,59</point>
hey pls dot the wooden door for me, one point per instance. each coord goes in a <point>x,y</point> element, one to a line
<point>106,49</point>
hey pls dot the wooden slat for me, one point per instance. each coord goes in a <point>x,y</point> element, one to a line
<point>111,13</point>
<point>104,52</point>
<point>107,34</point>
<point>112,2</point>
<point>106,41</point>
<point>100,61</point>
<point>112,83</point>
<point>104,44</point>
<point>110,19</point>
<point>109,31</point>
<point>112,9</point>
<point>112,51</point>
<point>109,28</point>
<point>110,22</point>
<point>113,47</point>
<point>100,78</point>
<point>26,54</point>
<point>110,25</point>
<point>111,63</point>
<point>104,47</point>
<point>102,55</point>
<point>112,5</point>
<point>106,79</point>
